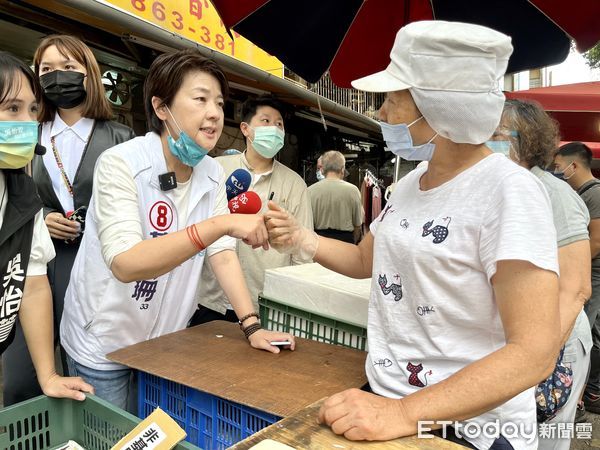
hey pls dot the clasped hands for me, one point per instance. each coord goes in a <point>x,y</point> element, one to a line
<point>276,228</point>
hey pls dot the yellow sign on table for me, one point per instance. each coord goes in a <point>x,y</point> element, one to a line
<point>156,432</point>
<point>198,21</point>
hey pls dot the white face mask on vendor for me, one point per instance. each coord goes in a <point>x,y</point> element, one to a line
<point>399,141</point>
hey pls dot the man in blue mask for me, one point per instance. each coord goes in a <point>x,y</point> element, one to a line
<point>264,131</point>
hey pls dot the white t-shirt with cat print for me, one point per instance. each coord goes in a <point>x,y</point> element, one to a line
<point>432,309</point>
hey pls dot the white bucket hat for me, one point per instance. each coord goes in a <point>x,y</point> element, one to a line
<point>453,71</point>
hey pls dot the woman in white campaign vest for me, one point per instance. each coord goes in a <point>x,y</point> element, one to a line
<point>158,208</point>
<point>464,296</point>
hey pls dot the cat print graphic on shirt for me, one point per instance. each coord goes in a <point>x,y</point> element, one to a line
<point>413,378</point>
<point>394,288</point>
<point>440,232</point>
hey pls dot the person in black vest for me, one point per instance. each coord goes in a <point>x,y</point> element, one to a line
<point>25,245</point>
<point>76,128</point>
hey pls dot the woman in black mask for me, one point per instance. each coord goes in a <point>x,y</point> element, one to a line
<point>76,128</point>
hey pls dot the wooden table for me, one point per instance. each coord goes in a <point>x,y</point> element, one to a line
<point>215,358</point>
<point>302,432</point>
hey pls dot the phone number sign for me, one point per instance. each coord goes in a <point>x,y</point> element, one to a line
<point>198,21</point>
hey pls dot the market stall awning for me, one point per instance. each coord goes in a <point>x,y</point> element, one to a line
<point>575,106</point>
<point>567,97</point>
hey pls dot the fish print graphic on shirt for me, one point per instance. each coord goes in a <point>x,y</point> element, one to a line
<point>383,362</point>
<point>440,232</point>
<point>413,378</point>
<point>394,288</point>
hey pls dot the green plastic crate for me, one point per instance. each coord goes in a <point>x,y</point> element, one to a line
<point>277,316</point>
<point>49,423</point>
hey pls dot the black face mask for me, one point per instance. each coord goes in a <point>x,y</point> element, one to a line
<point>63,88</point>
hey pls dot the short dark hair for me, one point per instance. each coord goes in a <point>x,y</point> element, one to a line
<point>96,105</point>
<point>252,104</point>
<point>577,149</point>
<point>166,75</point>
<point>10,66</point>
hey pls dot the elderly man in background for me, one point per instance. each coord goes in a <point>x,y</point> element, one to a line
<point>336,205</point>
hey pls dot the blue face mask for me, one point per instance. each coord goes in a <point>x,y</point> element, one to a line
<point>502,147</point>
<point>185,149</point>
<point>561,175</point>
<point>320,175</point>
<point>268,141</point>
<point>399,141</point>
<point>17,143</point>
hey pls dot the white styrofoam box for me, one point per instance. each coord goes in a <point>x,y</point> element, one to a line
<point>313,288</point>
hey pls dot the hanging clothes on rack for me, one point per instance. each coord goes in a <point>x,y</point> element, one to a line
<point>376,201</point>
<point>371,191</point>
<point>365,192</point>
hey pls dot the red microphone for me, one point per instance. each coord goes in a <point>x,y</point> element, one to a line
<point>246,203</point>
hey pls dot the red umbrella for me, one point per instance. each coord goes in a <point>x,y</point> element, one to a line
<point>353,38</point>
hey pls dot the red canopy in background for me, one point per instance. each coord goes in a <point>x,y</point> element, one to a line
<point>576,107</point>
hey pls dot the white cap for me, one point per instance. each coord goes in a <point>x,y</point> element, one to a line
<point>453,71</point>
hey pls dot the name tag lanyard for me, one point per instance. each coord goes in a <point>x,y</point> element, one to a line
<point>61,167</point>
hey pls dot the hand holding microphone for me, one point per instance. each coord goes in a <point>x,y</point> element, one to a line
<point>286,235</point>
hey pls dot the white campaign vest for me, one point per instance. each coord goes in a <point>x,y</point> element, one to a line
<point>109,314</point>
